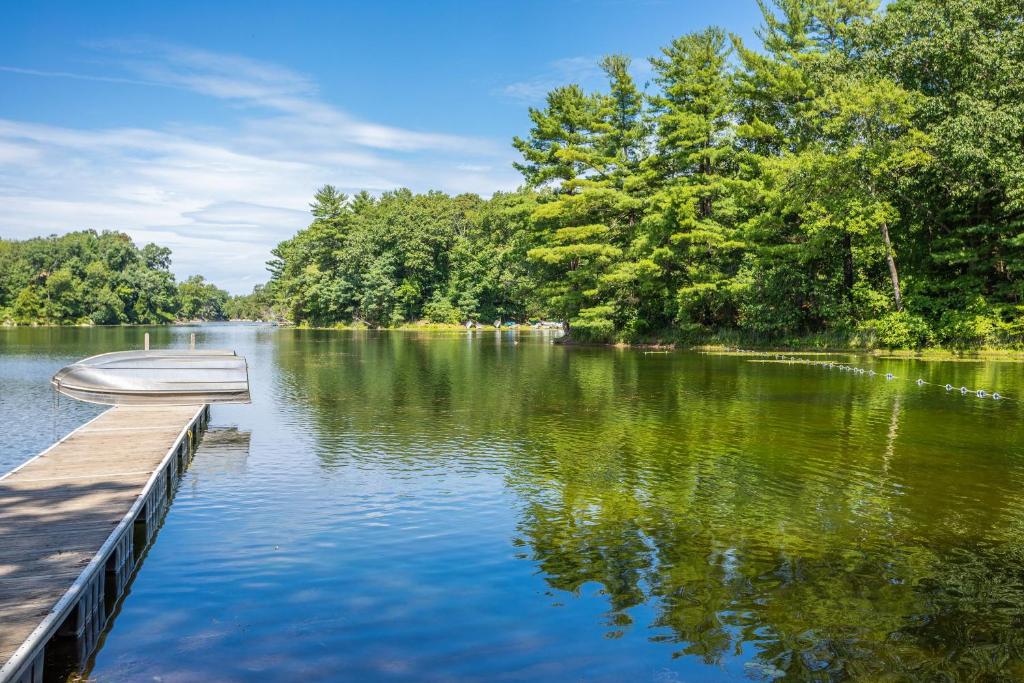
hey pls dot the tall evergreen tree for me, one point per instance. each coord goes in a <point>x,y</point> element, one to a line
<point>553,153</point>
<point>591,220</point>
<point>692,217</point>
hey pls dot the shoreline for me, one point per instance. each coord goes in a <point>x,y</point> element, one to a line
<point>806,345</point>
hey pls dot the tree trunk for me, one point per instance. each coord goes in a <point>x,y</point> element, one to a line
<point>892,266</point>
<point>848,267</point>
<point>705,169</point>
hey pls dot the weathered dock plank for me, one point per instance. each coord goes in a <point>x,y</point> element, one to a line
<point>67,520</point>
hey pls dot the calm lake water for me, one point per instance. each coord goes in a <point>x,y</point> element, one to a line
<point>451,507</point>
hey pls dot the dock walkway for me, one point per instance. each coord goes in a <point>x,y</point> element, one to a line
<point>73,523</point>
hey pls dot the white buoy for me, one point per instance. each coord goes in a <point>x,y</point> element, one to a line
<point>949,387</point>
<point>996,396</point>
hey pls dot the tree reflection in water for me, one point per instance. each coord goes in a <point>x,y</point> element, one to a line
<point>821,525</point>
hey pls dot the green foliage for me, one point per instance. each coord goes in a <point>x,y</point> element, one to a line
<point>691,223</point>
<point>404,257</point>
<point>594,324</point>
<point>201,300</point>
<point>86,277</point>
<point>899,330</point>
<point>28,306</point>
<point>856,174</point>
<point>255,306</point>
<point>441,310</point>
<point>588,224</point>
<point>979,325</point>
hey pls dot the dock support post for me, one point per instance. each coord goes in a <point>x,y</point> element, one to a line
<point>192,342</point>
<point>145,342</point>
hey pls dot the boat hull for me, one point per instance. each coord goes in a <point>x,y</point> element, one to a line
<point>166,377</point>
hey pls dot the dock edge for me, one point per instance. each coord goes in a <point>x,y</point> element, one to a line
<point>85,597</point>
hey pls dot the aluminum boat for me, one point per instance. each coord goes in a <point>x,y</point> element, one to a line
<point>165,377</point>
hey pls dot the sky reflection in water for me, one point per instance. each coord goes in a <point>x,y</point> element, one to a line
<point>403,506</point>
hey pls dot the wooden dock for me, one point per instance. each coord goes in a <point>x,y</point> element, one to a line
<point>73,523</point>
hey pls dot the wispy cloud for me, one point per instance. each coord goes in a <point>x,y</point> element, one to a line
<point>212,73</point>
<point>220,197</point>
<point>473,168</point>
<point>584,71</point>
<point>74,76</point>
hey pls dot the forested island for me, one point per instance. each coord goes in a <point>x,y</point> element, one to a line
<point>86,277</point>
<point>856,179</point>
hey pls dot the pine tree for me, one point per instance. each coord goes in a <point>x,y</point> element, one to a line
<point>553,152</point>
<point>799,271</point>
<point>691,218</point>
<point>594,150</point>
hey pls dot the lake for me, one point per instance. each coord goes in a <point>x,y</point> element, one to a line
<point>489,506</point>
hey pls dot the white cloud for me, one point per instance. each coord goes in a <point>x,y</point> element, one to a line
<point>220,197</point>
<point>473,168</point>
<point>74,76</point>
<point>15,153</point>
<point>584,71</point>
<point>213,73</point>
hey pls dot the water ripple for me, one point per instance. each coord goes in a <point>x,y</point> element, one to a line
<point>414,507</point>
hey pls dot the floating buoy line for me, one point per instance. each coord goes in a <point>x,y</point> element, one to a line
<point>831,365</point>
<point>844,367</point>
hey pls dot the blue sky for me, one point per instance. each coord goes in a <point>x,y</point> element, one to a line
<point>206,127</point>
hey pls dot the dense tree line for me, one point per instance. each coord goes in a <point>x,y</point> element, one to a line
<point>857,175</point>
<point>257,305</point>
<point>402,257</point>
<point>98,278</point>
